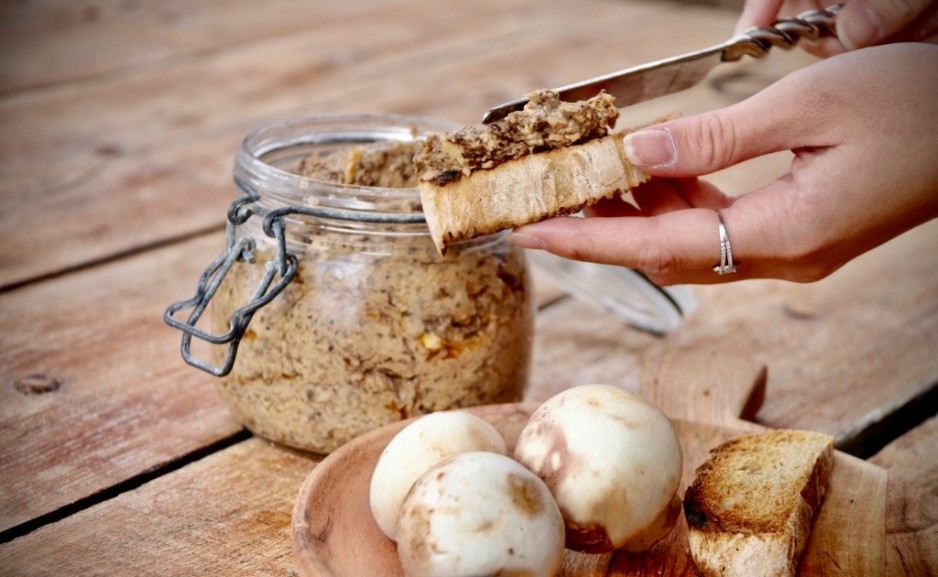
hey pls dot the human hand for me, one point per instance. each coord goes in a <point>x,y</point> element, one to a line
<point>863,127</point>
<point>860,23</point>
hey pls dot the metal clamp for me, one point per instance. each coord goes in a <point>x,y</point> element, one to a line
<point>785,33</point>
<point>241,249</point>
<point>278,272</point>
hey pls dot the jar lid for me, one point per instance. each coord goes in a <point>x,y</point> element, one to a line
<point>627,293</point>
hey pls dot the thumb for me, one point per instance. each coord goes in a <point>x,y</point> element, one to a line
<point>770,121</point>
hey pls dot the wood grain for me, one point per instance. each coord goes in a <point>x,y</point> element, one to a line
<point>866,333</point>
<point>703,386</point>
<point>912,456</point>
<point>123,402</point>
<point>86,40</point>
<point>121,120</point>
<point>820,347</point>
<point>335,535</point>
<point>228,514</point>
<point>728,390</point>
<point>911,530</point>
<point>162,134</point>
<point>717,389</point>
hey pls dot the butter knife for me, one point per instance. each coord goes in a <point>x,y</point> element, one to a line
<point>662,77</point>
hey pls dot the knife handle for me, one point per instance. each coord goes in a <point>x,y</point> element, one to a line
<point>784,33</point>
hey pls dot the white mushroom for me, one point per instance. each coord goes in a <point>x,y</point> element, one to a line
<point>613,463</point>
<point>417,447</point>
<point>480,514</point>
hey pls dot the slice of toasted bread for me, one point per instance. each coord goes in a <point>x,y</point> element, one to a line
<point>527,189</point>
<point>549,159</point>
<point>753,502</point>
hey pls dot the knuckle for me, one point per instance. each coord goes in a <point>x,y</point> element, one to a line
<point>815,264</point>
<point>713,140</point>
<point>809,260</point>
<point>799,246</point>
<point>809,272</point>
<point>656,261</point>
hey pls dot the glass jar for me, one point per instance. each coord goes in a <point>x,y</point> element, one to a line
<point>349,318</point>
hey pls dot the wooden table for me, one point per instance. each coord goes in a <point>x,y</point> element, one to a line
<point>120,122</point>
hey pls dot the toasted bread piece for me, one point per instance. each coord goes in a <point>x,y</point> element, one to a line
<point>527,189</point>
<point>550,159</point>
<point>753,502</point>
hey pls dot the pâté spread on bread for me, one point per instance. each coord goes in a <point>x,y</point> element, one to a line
<point>546,123</point>
<point>549,159</point>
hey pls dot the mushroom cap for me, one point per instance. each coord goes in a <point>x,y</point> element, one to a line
<point>478,514</point>
<point>613,463</point>
<point>416,448</point>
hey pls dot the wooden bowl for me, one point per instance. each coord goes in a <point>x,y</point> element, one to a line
<point>334,533</point>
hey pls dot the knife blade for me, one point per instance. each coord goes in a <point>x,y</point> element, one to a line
<point>671,75</point>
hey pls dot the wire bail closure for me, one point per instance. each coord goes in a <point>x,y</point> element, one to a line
<point>277,275</point>
<point>283,266</point>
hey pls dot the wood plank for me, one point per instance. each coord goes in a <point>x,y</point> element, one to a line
<point>56,41</point>
<point>156,126</point>
<point>579,343</point>
<point>320,69</point>
<point>849,534</point>
<point>158,137</point>
<point>912,456</point>
<point>227,514</point>
<point>703,387</point>
<point>911,529</point>
<point>867,333</point>
<point>841,354</point>
<point>617,349</point>
<point>122,401</point>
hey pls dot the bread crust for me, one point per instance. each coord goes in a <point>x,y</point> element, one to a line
<point>528,189</point>
<point>752,505</point>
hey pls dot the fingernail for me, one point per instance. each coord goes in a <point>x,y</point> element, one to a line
<point>650,147</point>
<point>526,241</point>
<point>863,29</point>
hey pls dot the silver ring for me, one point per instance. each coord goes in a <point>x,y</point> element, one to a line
<point>726,265</point>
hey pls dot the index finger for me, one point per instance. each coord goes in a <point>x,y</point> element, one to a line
<point>674,247</point>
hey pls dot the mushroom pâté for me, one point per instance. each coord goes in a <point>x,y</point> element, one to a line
<point>613,462</point>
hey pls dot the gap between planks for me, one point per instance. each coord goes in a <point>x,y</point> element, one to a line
<point>129,484</point>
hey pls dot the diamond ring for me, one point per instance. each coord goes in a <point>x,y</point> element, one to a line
<point>726,265</point>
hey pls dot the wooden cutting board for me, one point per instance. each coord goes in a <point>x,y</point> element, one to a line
<point>867,526</point>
